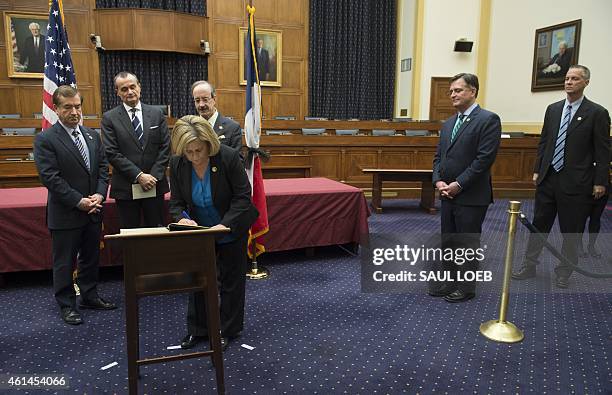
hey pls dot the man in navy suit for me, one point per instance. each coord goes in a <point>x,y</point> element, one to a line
<point>461,172</point>
<point>571,171</point>
<point>71,164</point>
<point>137,145</point>
<point>205,100</point>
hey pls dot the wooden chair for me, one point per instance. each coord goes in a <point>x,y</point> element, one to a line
<point>162,263</point>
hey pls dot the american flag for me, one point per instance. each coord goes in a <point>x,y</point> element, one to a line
<point>252,131</point>
<point>58,62</point>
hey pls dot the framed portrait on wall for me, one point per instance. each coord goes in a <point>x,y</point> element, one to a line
<point>25,36</point>
<point>269,47</point>
<point>555,50</point>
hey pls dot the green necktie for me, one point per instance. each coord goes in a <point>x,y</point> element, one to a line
<point>457,126</point>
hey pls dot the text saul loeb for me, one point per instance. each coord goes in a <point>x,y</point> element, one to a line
<point>411,256</point>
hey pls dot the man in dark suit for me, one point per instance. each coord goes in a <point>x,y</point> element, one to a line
<point>71,164</point>
<point>204,98</point>
<point>137,145</point>
<point>561,60</point>
<point>32,52</point>
<point>461,173</point>
<point>575,135</point>
<point>263,61</point>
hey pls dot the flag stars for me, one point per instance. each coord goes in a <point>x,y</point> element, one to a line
<point>55,13</point>
<point>72,84</point>
<point>53,51</point>
<point>68,68</point>
<point>50,39</point>
<point>61,79</point>
<point>61,66</point>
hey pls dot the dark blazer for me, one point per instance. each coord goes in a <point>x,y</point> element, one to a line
<point>263,64</point>
<point>34,58</point>
<point>587,143</point>
<point>229,132</point>
<point>126,155</point>
<point>63,171</point>
<point>468,159</point>
<point>231,190</point>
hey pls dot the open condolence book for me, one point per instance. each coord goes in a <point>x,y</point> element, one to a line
<point>175,226</point>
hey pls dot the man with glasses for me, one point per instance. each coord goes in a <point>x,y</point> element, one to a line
<point>462,174</point>
<point>570,173</point>
<point>204,98</point>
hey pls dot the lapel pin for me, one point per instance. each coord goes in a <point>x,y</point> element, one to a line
<point>580,118</point>
<point>467,120</point>
<point>220,126</point>
<point>90,137</point>
<point>214,169</point>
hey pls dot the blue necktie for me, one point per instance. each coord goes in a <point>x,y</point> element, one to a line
<point>79,145</point>
<point>557,161</point>
<point>457,126</point>
<point>137,126</point>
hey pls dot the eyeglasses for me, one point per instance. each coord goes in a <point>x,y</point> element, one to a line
<point>458,91</point>
<point>204,100</point>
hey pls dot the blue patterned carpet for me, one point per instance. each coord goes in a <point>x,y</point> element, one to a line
<point>315,331</point>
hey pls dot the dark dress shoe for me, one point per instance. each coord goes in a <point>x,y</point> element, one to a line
<point>524,273</point>
<point>459,296</point>
<point>71,316</point>
<point>97,303</point>
<point>562,282</point>
<point>190,341</point>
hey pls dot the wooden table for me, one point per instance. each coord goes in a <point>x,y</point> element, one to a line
<point>428,194</point>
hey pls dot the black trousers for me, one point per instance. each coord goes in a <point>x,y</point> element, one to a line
<point>83,243</point>
<point>461,227</point>
<point>597,208</point>
<point>231,276</point>
<point>148,213</point>
<point>552,201</point>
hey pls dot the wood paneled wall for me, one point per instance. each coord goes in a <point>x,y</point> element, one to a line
<point>24,95</point>
<point>288,16</point>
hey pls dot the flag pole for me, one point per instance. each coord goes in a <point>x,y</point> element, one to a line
<point>253,160</point>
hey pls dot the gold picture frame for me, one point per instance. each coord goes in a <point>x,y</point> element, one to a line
<point>24,58</point>
<point>555,49</point>
<point>270,58</point>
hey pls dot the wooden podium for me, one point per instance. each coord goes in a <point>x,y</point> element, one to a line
<point>158,262</point>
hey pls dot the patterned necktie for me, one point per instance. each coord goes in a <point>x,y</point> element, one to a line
<point>80,147</point>
<point>557,161</point>
<point>457,126</point>
<point>137,126</point>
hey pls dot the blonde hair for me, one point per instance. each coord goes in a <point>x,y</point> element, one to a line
<point>191,128</point>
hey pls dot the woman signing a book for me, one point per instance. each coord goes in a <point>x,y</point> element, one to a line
<point>209,187</point>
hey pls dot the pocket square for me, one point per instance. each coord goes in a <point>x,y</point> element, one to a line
<point>154,127</point>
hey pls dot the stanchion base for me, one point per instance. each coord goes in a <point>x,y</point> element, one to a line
<point>261,273</point>
<point>505,332</point>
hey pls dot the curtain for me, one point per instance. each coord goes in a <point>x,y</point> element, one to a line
<point>352,53</point>
<point>196,7</point>
<point>165,77</point>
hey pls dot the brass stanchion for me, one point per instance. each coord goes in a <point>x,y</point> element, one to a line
<point>256,273</point>
<point>501,330</point>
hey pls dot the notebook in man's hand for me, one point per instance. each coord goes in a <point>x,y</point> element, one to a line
<point>176,226</point>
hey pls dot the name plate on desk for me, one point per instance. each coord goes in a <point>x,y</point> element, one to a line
<point>139,193</point>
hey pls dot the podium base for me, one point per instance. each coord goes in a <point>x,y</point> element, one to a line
<point>261,273</point>
<point>504,332</point>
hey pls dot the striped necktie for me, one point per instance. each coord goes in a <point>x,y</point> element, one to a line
<point>458,124</point>
<point>137,126</point>
<point>80,147</point>
<point>557,161</point>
